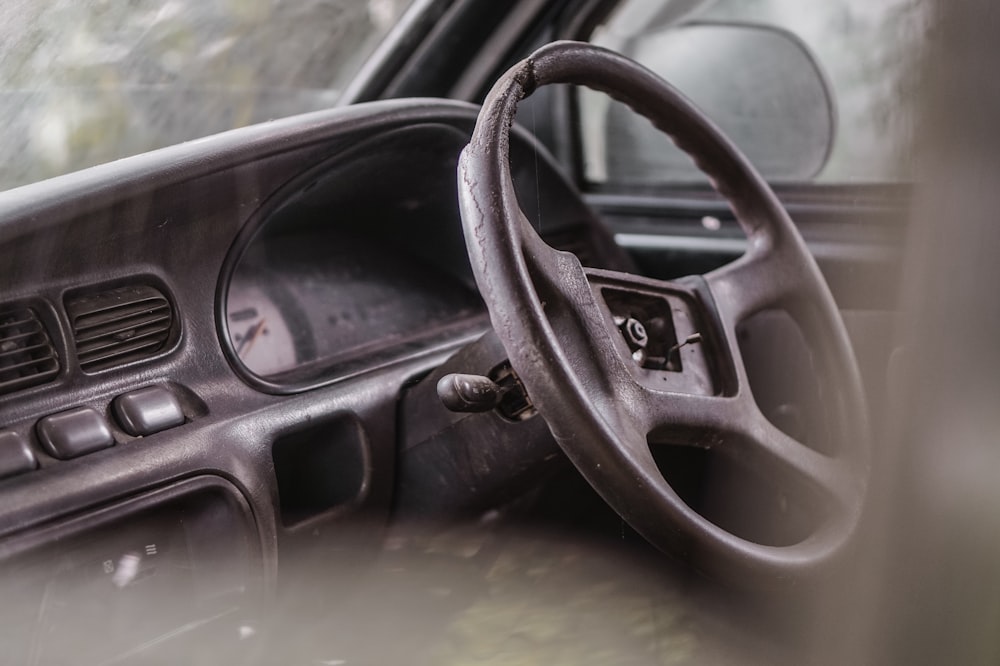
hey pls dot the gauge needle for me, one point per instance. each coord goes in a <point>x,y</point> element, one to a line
<point>250,337</point>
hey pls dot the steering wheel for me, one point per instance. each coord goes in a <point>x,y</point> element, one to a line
<point>579,355</point>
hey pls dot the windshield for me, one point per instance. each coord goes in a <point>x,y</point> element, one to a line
<point>87,82</point>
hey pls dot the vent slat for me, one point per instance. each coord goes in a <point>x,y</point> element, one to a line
<point>120,326</point>
<point>98,304</point>
<point>27,357</point>
<point>27,381</point>
<point>28,349</point>
<point>98,359</point>
<point>119,312</point>
<point>106,353</point>
<point>13,339</point>
<point>18,369</point>
<point>98,344</point>
<point>32,324</point>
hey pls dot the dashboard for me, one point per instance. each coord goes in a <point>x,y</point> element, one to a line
<point>275,289</point>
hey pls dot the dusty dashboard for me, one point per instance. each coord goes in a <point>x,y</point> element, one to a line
<point>361,262</point>
<point>319,252</point>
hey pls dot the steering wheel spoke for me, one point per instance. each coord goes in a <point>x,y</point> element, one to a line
<point>683,418</point>
<point>755,282</point>
<point>766,449</point>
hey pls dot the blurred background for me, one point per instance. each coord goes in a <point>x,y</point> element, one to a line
<point>935,551</point>
<point>82,83</point>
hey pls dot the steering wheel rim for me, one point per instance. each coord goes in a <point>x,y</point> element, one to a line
<point>549,313</point>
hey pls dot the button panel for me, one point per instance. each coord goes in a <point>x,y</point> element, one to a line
<point>74,432</point>
<point>147,410</point>
<point>16,457</point>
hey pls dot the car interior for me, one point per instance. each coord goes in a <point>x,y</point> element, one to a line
<point>399,380</point>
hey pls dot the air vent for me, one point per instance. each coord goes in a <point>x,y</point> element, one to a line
<point>27,357</point>
<point>119,326</point>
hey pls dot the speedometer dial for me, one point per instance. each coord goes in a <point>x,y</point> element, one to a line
<point>258,332</point>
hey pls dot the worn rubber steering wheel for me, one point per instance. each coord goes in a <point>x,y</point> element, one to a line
<point>559,325</point>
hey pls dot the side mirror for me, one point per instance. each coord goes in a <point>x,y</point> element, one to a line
<point>760,84</point>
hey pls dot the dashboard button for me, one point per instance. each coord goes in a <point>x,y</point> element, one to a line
<point>148,410</point>
<point>16,456</point>
<point>74,432</point>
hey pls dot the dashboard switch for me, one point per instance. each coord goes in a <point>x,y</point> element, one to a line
<point>15,454</point>
<point>74,432</point>
<point>148,410</point>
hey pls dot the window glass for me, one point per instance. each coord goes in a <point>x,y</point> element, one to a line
<point>87,81</point>
<point>863,52</point>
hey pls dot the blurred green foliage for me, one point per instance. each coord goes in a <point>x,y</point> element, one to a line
<point>83,83</point>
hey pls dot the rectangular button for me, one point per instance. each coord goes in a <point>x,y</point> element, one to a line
<point>148,410</point>
<point>74,432</point>
<point>16,456</point>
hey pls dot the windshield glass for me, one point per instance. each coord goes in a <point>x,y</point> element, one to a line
<point>86,82</point>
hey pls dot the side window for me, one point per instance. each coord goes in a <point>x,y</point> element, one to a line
<point>813,91</point>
